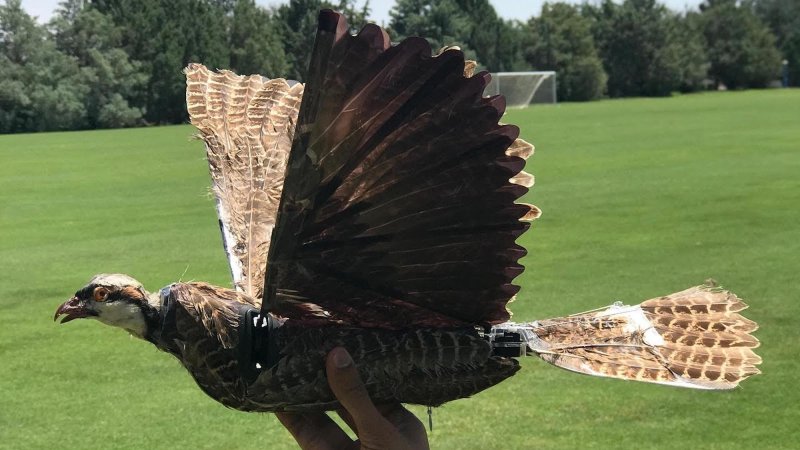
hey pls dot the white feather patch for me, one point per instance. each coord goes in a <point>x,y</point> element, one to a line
<point>229,240</point>
<point>636,322</point>
<point>123,315</point>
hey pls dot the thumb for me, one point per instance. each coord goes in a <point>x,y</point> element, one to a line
<point>348,388</point>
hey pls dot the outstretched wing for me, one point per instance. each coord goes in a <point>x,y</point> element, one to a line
<point>247,123</point>
<point>398,207</point>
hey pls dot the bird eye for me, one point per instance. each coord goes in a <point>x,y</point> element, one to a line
<point>100,294</point>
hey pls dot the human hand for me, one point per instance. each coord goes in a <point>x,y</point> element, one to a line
<point>390,427</point>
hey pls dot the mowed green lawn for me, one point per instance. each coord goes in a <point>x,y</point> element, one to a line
<point>641,198</point>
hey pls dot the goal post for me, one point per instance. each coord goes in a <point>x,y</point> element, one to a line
<point>523,88</point>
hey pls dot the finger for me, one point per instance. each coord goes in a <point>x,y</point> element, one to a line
<point>346,385</point>
<point>394,413</point>
<point>315,431</point>
<point>388,408</point>
<point>348,419</point>
<point>407,423</point>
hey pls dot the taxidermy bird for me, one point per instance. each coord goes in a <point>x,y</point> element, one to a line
<point>375,207</point>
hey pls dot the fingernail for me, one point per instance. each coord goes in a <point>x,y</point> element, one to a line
<point>341,359</point>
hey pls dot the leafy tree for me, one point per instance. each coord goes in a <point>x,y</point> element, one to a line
<point>255,42</point>
<point>226,6</point>
<point>40,87</point>
<point>473,25</point>
<point>166,35</point>
<point>783,18</point>
<point>691,53</point>
<point>639,47</point>
<point>560,39</point>
<point>113,79</point>
<point>740,47</point>
<point>441,22</point>
<point>497,43</point>
<point>298,25</point>
<point>356,17</point>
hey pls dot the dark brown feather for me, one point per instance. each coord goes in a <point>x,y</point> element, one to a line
<point>397,209</point>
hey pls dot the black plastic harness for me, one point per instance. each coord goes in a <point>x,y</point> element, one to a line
<point>258,346</point>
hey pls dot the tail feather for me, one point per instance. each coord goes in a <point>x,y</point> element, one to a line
<point>699,300</point>
<point>710,341</point>
<point>694,338</point>
<point>701,355</point>
<point>712,322</point>
<point>707,338</point>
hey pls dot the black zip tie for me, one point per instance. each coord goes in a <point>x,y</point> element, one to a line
<point>430,418</point>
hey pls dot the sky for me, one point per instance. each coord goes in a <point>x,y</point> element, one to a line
<point>508,9</point>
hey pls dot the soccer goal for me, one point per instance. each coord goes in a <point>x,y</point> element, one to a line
<point>523,88</point>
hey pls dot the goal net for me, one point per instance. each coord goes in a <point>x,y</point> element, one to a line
<point>523,88</point>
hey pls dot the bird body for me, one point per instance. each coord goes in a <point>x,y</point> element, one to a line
<point>199,324</point>
<point>376,208</point>
<point>659,341</point>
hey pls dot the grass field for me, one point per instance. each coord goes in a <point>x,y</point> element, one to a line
<point>640,197</point>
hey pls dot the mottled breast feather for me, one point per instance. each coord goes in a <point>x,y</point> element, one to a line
<point>201,329</point>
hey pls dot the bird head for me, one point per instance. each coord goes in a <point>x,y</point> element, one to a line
<point>114,299</point>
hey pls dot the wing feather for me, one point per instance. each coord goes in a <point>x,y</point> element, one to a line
<point>247,123</point>
<point>399,206</point>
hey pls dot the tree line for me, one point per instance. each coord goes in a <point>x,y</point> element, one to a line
<point>117,63</point>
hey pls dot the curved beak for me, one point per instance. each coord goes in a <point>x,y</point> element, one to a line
<point>73,309</point>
